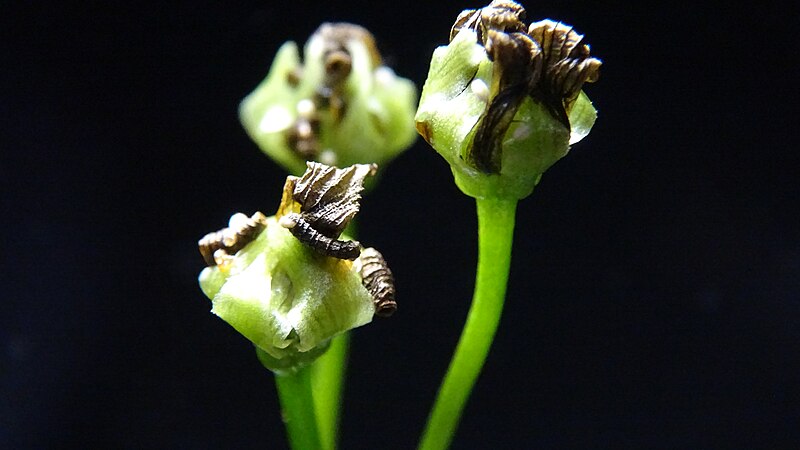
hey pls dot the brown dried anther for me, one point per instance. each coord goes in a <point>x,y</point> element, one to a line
<point>219,246</point>
<point>318,206</point>
<point>548,61</point>
<point>378,280</point>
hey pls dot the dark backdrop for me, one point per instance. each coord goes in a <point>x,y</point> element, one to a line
<point>654,299</point>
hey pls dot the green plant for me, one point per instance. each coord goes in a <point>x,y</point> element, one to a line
<point>285,283</point>
<point>342,107</point>
<point>502,103</point>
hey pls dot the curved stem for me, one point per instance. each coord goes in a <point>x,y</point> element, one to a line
<point>297,409</point>
<point>327,380</point>
<point>495,236</point>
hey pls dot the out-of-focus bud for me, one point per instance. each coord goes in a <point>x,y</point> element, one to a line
<point>339,106</point>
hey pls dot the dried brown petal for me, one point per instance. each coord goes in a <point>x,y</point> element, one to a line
<point>567,65</point>
<point>338,63</point>
<point>306,234</point>
<point>378,280</point>
<point>318,206</point>
<point>329,197</point>
<point>515,72</point>
<point>468,18</point>
<point>336,36</point>
<point>556,66</point>
<point>503,15</point>
<point>303,137</point>
<point>216,246</point>
<point>500,15</point>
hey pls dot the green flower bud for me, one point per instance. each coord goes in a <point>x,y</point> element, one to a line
<point>272,280</point>
<point>339,106</point>
<point>502,102</point>
<point>285,298</point>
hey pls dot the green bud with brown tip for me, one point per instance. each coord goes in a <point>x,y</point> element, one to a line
<point>503,101</point>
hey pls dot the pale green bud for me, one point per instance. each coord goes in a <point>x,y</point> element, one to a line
<point>339,106</point>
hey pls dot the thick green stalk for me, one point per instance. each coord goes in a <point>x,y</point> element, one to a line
<point>297,409</point>
<point>327,380</point>
<point>495,236</point>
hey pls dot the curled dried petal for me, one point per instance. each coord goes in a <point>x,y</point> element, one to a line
<point>318,206</point>
<point>468,18</point>
<point>567,65</point>
<point>503,15</point>
<point>514,73</point>
<point>377,278</point>
<point>305,233</point>
<point>329,197</point>
<point>241,231</point>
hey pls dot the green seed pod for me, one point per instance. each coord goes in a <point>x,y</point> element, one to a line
<point>340,106</point>
<point>502,104</point>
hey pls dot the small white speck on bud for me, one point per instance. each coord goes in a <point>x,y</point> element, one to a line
<point>238,220</point>
<point>305,108</point>
<point>275,119</point>
<point>522,131</point>
<point>480,89</point>
<point>328,157</point>
<point>384,76</point>
<point>287,222</point>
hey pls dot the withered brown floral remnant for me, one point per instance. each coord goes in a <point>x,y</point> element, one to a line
<point>305,233</point>
<point>567,64</point>
<point>219,246</point>
<point>317,207</point>
<point>547,61</point>
<point>378,280</point>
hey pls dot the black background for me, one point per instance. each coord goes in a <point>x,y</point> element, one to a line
<point>654,299</point>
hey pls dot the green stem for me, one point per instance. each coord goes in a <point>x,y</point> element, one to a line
<point>297,409</point>
<point>495,235</point>
<point>327,380</point>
